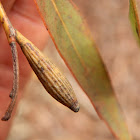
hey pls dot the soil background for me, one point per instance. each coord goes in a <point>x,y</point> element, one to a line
<point>40,117</point>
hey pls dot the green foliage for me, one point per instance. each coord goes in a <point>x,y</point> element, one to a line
<point>134,19</point>
<point>74,43</point>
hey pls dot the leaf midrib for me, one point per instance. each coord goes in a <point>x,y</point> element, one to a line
<point>65,28</point>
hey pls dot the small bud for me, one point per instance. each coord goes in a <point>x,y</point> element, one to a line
<point>49,75</point>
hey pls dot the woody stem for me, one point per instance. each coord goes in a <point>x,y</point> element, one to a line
<point>10,33</point>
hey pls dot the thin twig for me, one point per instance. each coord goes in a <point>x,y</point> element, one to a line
<point>15,70</point>
<point>10,33</point>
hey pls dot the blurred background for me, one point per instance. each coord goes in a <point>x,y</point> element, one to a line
<point>40,117</point>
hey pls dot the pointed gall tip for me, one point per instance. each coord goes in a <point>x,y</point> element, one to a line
<point>75,107</point>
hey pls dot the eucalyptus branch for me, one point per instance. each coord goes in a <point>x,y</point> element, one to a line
<point>10,33</point>
<point>49,75</point>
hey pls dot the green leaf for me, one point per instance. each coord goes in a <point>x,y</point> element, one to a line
<point>134,18</point>
<point>74,43</point>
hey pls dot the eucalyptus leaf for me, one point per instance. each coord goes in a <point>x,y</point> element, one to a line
<point>77,48</point>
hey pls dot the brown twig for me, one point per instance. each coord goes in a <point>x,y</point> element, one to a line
<point>10,33</point>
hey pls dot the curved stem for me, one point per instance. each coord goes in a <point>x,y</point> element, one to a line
<point>10,33</point>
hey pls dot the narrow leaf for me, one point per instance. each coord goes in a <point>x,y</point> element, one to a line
<point>75,45</point>
<point>134,18</point>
